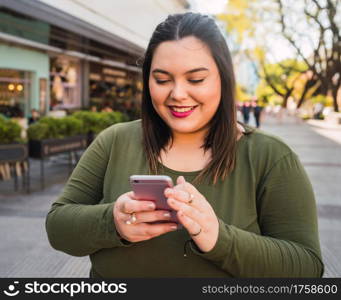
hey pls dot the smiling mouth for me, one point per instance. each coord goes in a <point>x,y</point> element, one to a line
<point>182,109</point>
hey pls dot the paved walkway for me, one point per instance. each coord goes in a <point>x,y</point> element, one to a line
<point>319,148</point>
<point>25,251</point>
<point>24,248</point>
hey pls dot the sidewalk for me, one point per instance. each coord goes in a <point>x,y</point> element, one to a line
<point>319,148</point>
<point>26,252</point>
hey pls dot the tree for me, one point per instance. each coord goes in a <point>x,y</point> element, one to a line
<point>315,23</point>
<point>282,78</point>
<point>323,19</point>
<point>241,93</point>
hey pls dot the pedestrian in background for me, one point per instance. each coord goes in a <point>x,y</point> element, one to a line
<point>35,116</point>
<point>246,108</point>
<point>243,200</point>
<point>257,111</point>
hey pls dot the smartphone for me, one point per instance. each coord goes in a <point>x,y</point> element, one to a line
<point>151,188</point>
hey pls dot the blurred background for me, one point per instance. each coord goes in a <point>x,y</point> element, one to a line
<point>70,68</point>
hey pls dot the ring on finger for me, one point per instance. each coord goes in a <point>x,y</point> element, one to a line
<point>132,219</point>
<point>196,234</point>
<point>191,198</point>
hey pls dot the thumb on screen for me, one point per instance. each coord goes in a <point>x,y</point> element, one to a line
<point>180,180</point>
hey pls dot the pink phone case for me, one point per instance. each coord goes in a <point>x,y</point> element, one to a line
<point>152,187</point>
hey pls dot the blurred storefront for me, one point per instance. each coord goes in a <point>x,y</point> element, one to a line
<point>23,81</point>
<point>65,82</point>
<point>24,72</point>
<point>74,55</point>
<point>107,83</point>
<point>15,90</point>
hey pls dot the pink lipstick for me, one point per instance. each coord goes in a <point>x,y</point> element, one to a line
<point>181,114</point>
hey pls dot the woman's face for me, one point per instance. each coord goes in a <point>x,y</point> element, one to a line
<point>184,84</point>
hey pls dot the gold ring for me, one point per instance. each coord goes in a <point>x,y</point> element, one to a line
<point>132,219</point>
<point>191,198</point>
<point>195,234</point>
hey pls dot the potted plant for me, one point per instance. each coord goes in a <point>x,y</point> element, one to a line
<point>95,122</point>
<point>13,149</point>
<point>50,136</point>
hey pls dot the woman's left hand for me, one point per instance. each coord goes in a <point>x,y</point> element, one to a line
<point>195,213</point>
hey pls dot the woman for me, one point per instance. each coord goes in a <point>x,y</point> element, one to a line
<point>241,195</point>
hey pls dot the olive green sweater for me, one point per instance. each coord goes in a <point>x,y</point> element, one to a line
<point>266,210</point>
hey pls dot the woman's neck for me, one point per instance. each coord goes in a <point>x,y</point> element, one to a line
<point>196,139</point>
<point>184,140</point>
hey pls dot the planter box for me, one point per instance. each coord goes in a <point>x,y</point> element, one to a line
<point>49,147</point>
<point>13,153</point>
<point>14,160</point>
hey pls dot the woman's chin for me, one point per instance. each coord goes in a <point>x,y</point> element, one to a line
<point>185,129</point>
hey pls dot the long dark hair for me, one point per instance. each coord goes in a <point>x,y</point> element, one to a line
<point>222,134</point>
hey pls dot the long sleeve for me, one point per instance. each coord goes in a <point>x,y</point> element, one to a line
<point>77,223</point>
<point>288,245</point>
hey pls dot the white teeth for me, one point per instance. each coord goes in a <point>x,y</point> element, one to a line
<point>182,109</point>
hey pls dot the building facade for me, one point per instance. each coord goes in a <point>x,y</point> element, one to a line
<point>74,54</point>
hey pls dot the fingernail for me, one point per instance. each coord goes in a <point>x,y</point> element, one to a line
<point>167,215</point>
<point>174,227</point>
<point>168,191</point>
<point>151,206</point>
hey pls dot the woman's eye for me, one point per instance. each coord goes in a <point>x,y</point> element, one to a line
<point>195,80</point>
<point>161,81</point>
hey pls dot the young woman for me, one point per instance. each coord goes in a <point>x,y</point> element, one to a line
<point>242,196</point>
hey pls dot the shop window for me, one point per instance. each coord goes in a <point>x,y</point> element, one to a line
<point>65,83</point>
<point>115,88</point>
<point>15,93</point>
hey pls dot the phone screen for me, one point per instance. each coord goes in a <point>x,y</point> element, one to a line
<point>152,187</point>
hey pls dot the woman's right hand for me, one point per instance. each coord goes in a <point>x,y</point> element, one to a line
<point>137,229</point>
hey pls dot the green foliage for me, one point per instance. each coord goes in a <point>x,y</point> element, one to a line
<point>325,100</point>
<point>49,128</point>
<point>283,75</point>
<point>55,127</point>
<point>72,126</point>
<point>240,18</point>
<point>38,131</point>
<point>10,131</point>
<point>90,120</point>
<point>80,122</point>
<point>97,121</point>
<point>241,93</point>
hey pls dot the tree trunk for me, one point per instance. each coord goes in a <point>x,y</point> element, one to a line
<point>286,97</point>
<point>308,85</point>
<point>334,93</point>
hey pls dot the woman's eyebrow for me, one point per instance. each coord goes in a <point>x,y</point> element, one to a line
<point>190,71</point>
<point>196,70</point>
<point>160,71</point>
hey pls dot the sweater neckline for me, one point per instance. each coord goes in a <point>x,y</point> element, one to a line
<point>247,131</point>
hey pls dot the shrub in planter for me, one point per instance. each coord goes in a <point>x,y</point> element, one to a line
<point>9,131</point>
<point>51,136</point>
<point>72,126</point>
<point>55,128</point>
<point>107,119</point>
<point>13,151</point>
<point>95,122</point>
<point>115,117</point>
<point>91,120</point>
<point>38,131</point>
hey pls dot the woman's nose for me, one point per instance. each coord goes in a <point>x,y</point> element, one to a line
<point>178,92</point>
